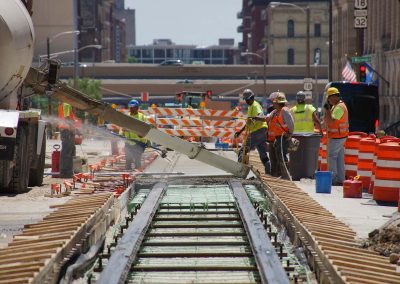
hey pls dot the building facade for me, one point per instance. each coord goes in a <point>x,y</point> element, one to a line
<point>162,50</point>
<point>380,40</point>
<point>96,21</point>
<point>279,29</point>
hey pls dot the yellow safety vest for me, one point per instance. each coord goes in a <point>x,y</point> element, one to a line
<point>302,115</point>
<point>132,136</point>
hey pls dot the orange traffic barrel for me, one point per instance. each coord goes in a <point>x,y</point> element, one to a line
<point>371,184</point>
<point>366,152</point>
<point>387,172</point>
<point>383,139</point>
<point>322,162</point>
<point>351,147</point>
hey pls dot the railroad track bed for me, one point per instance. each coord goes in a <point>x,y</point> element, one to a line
<point>330,245</point>
<point>197,233</point>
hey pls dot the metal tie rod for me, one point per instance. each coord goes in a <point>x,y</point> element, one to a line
<point>125,253</point>
<point>268,262</point>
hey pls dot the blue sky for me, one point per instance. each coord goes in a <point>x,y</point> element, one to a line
<point>199,22</point>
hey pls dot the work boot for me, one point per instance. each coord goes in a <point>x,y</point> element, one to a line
<point>267,166</point>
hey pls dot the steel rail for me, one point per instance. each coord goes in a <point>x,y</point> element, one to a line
<point>268,262</point>
<point>121,260</point>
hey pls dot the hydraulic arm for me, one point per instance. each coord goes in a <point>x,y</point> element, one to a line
<point>79,100</point>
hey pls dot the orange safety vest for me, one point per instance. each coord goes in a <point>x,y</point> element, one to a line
<point>276,126</point>
<point>339,128</point>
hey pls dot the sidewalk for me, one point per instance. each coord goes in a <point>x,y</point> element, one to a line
<point>363,215</point>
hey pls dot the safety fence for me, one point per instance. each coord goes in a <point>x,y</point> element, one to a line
<point>375,160</point>
<point>186,122</point>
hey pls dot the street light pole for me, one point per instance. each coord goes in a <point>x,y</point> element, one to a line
<point>308,42</point>
<point>76,61</point>
<point>264,58</point>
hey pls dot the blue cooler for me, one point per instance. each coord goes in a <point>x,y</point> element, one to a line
<point>323,182</point>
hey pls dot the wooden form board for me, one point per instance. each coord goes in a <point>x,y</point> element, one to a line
<point>331,243</point>
<point>35,256</point>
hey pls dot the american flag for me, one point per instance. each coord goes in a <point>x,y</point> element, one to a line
<point>348,73</point>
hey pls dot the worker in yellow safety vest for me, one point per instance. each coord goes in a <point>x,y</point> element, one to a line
<point>67,129</point>
<point>304,115</point>
<point>134,145</point>
<point>256,128</point>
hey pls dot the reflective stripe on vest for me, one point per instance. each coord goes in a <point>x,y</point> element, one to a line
<point>303,121</point>
<point>339,128</point>
<point>132,135</point>
<point>276,126</point>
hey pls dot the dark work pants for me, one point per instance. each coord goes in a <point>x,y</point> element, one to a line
<point>67,153</point>
<point>278,149</point>
<point>133,154</point>
<point>257,139</point>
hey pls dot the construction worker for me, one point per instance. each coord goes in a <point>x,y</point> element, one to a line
<point>337,123</point>
<point>304,115</point>
<point>256,128</point>
<point>67,130</point>
<point>134,145</point>
<point>280,130</point>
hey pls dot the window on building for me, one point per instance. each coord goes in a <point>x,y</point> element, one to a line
<point>290,56</point>
<point>290,28</point>
<point>317,56</point>
<point>317,30</point>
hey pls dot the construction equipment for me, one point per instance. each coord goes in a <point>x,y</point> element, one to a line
<point>22,142</point>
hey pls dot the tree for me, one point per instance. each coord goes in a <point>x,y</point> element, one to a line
<point>91,88</point>
<point>132,59</point>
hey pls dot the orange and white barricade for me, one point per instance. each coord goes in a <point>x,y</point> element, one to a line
<point>351,147</point>
<point>322,154</point>
<point>188,122</point>
<point>365,161</point>
<point>387,172</point>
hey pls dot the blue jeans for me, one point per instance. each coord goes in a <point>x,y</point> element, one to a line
<point>257,139</point>
<point>336,159</point>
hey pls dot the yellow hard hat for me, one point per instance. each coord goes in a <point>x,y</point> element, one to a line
<point>332,91</point>
<point>280,98</point>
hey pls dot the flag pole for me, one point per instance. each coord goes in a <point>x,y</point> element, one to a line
<point>379,75</point>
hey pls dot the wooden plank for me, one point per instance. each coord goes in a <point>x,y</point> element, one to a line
<point>30,252</point>
<point>26,258</point>
<point>363,267</point>
<point>384,278</point>
<point>364,261</point>
<point>8,271</point>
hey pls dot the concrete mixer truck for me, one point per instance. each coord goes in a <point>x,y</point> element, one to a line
<point>22,141</point>
<point>22,131</point>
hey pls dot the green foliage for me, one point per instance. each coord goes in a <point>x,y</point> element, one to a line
<point>132,59</point>
<point>91,88</point>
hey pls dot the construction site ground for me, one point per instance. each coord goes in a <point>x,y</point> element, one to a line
<point>361,215</point>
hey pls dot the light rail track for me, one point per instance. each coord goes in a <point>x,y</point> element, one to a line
<point>196,234</point>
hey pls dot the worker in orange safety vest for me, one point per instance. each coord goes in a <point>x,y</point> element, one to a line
<point>337,125</point>
<point>280,130</point>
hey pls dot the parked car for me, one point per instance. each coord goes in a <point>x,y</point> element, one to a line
<point>172,62</point>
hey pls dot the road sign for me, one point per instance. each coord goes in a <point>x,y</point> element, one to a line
<point>360,4</point>
<point>361,13</point>
<point>308,86</point>
<point>144,96</point>
<point>361,59</point>
<point>308,95</point>
<point>360,22</point>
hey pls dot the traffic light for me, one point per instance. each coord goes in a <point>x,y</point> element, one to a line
<point>363,73</point>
